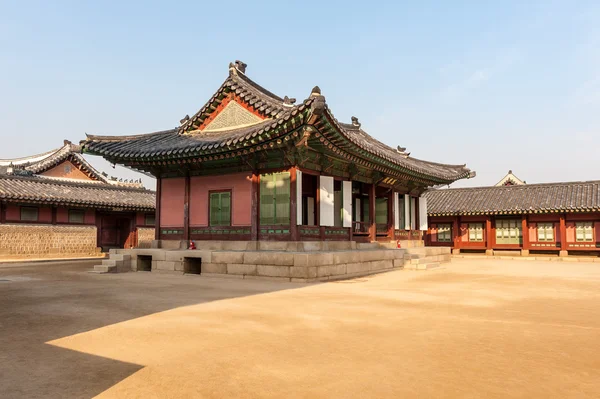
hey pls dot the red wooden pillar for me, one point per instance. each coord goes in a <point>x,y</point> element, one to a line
<point>2,212</point>
<point>255,204</point>
<point>372,226</point>
<point>54,211</point>
<point>417,216</point>
<point>563,234</point>
<point>488,233</point>
<point>525,231</point>
<point>157,212</point>
<point>456,232</point>
<point>186,210</point>
<point>293,204</point>
<point>391,215</point>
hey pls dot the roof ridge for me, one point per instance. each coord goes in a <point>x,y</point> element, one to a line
<point>45,155</point>
<point>516,187</point>
<point>56,182</point>
<point>91,137</point>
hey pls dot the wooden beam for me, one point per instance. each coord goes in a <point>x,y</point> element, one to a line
<point>255,203</point>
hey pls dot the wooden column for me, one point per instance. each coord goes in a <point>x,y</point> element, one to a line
<point>157,212</point>
<point>456,232</point>
<point>391,215</point>
<point>563,233</point>
<point>525,232</point>
<point>318,208</point>
<point>293,204</point>
<point>186,209</point>
<point>54,211</point>
<point>372,225</point>
<point>2,212</point>
<point>255,204</point>
<point>488,233</point>
<point>417,216</point>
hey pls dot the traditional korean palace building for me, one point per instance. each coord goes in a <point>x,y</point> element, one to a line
<point>559,218</point>
<point>253,166</point>
<point>57,204</point>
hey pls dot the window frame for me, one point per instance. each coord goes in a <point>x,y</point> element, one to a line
<point>37,213</point>
<point>70,211</point>
<point>475,230</point>
<point>273,222</point>
<point>220,192</point>
<point>584,226</point>
<point>146,215</point>
<point>445,232</point>
<point>544,228</point>
<point>507,233</point>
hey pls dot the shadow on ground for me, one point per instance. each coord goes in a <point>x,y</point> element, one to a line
<point>47,301</point>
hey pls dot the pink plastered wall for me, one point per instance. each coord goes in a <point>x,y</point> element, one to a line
<point>172,196</point>
<point>240,185</point>
<point>62,215</point>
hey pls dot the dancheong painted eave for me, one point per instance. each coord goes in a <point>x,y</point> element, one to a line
<point>267,122</point>
<point>570,197</point>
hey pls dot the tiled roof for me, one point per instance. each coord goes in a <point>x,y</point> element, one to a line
<point>529,198</point>
<point>53,192</point>
<point>188,141</point>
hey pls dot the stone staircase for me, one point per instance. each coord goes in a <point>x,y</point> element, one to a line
<point>425,258</point>
<point>117,263</point>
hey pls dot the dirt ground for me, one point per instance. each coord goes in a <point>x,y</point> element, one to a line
<point>477,328</point>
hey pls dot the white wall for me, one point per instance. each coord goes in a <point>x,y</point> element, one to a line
<point>406,212</point>
<point>298,197</point>
<point>396,205</point>
<point>423,213</point>
<point>326,198</point>
<point>347,204</point>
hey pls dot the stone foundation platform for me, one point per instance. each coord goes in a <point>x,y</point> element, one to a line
<point>306,261</point>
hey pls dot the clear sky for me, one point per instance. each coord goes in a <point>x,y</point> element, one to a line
<point>497,85</point>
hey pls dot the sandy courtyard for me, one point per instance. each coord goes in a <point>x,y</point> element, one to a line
<point>477,328</point>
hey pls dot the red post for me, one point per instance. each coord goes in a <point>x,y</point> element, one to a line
<point>372,225</point>
<point>525,232</point>
<point>488,233</point>
<point>391,215</point>
<point>186,210</point>
<point>157,212</point>
<point>255,203</point>
<point>456,232</point>
<point>2,212</point>
<point>563,234</point>
<point>293,204</point>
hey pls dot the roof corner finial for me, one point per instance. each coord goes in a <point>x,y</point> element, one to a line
<point>316,91</point>
<point>240,66</point>
<point>288,101</point>
<point>67,142</point>
<point>510,171</point>
<point>184,120</point>
<point>401,150</point>
<point>355,121</point>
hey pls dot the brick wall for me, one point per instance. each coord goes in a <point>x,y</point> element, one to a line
<point>30,240</point>
<point>145,237</point>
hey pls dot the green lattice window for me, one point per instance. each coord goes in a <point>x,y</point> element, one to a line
<point>381,210</point>
<point>275,199</point>
<point>584,231</point>
<point>476,232</point>
<point>545,231</point>
<point>508,231</point>
<point>220,208</point>
<point>444,232</point>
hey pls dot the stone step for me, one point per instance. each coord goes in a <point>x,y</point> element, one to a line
<point>428,266</point>
<point>367,245</point>
<point>122,257</point>
<point>105,269</point>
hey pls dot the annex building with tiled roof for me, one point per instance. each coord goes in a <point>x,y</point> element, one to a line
<point>58,204</point>
<point>252,165</point>
<point>549,217</point>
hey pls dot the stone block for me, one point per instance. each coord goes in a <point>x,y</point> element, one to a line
<point>455,251</point>
<point>331,270</point>
<point>563,253</point>
<point>218,268</point>
<point>303,272</point>
<point>273,271</point>
<point>219,275</point>
<point>267,278</point>
<point>238,246</point>
<point>303,280</point>
<point>313,259</point>
<point>398,263</point>
<point>165,265</point>
<point>357,268</point>
<point>278,246</point>
<point>524,252</point>
<point>381,264</point>
<point>243,269</point>
<point>308,246</point>
<point>227,257</point>
<point>345,257</point>
<point>179,256</point>
<point>269,258</point>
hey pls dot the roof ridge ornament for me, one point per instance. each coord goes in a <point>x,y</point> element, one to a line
<point>184,120</point>
<point>288,102</point>
<point>316,91</point>
<point>355,121</point>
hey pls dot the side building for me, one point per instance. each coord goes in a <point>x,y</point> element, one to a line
<point>561,218</point>
<point>57,204</point>
<point>253,166</point>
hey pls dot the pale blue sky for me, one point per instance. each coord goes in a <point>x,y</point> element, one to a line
<point>509,85</point>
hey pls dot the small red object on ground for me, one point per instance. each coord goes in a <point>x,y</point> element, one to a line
<point>192,245</point>
<point>398,244</point>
